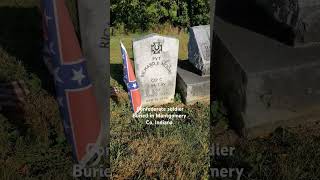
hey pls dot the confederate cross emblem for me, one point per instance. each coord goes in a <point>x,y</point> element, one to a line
<point>156,48</point>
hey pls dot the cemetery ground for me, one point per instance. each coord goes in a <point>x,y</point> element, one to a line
<point>33,146</point>
<point>286,154</point>
<point>142,151</point>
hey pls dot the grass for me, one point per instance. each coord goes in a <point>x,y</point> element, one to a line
<point>165,152</point>
<point>33,146</point>
<point>286,154</point>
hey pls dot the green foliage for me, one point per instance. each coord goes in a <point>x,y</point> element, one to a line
<point>178,98</point>
<point>142,15</point>
<point>199,12</point>
<point>10,64</point>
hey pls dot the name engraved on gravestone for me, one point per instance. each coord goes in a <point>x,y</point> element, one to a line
<point>199,48</point>
<point>156,59</point>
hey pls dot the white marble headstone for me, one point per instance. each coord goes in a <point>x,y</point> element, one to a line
<point>156,59</point>
<point>199,48</point>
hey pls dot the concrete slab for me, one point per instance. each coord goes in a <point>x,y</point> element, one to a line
<point>264,83</point>
<point>193,87</point>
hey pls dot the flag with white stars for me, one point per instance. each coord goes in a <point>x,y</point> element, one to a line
<point>75,96</point>
<point>131,82</point>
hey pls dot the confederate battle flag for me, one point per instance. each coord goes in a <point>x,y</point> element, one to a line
<point>131,82</point>
<point>77,103</point>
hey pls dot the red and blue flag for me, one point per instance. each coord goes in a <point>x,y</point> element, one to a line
<point>130,81</point>
<point>77,103</point>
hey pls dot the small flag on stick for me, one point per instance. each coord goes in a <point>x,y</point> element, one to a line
<point>131,82</point>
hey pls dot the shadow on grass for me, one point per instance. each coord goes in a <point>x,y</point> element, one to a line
<point>116,72</point>
<point>21,37</point>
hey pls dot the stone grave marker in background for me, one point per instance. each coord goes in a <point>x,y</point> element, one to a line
<point>292,22</point>
<point>302,17</point>
<point>193,79</point>
<point>94,22</point>
<point>199,48</point>
<point>155,59</point>
<point>264,84</point>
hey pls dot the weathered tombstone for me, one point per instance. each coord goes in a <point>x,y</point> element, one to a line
<point>94,27</point>
<point>93,22</point>
<point>263,83</point>
<point>155,59</point>
<point>301,16</point>
<point>199,48</point>
<point>193,79</point>
<point>293,22</point>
